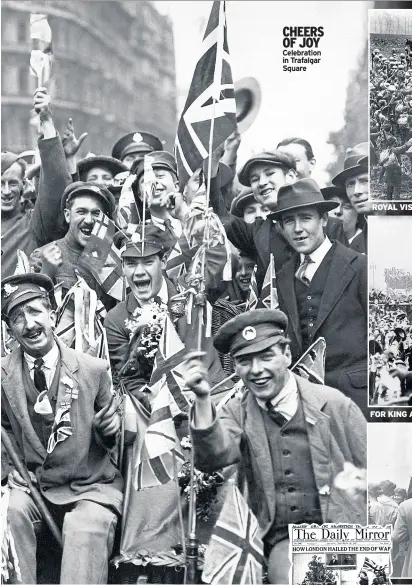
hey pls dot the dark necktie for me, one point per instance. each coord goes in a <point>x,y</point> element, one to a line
<point>301,271</point>
<point>39,377</point>
<point>278,418</point>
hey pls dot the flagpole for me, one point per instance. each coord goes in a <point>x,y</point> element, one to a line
<point>271,283</point>
<point>144,211</point>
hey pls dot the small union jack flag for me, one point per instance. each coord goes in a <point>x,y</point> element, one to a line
<point>253,297</point>
<point>211,97</point>
<point>311,365</point>
<point>269,294</point>
<point>235,552</point>
<point>101,257</point>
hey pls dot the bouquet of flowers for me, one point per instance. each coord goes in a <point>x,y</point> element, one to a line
<point>145,328</point>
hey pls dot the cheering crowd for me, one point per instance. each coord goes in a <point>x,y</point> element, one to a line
<point>390,116</point>
<point>143,317</point>
<point>389,504</point>
<point>390,348</point>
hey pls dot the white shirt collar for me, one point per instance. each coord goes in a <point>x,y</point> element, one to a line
<point>50,359</point>
<point>286,402</point>
<point>318,255</point>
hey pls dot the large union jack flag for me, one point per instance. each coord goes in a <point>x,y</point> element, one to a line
<point>211,97</point>
<point>235,552</point>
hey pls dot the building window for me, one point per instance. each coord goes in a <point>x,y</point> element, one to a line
<point>22,31</point>
<point>10,80</point>
<point>23,81</point>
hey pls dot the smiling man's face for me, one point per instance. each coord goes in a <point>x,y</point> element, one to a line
<point>81,216</point>
<point>265,181</point>
<point>264,373</point>
<point>31,325</point>
<point>144,276</point>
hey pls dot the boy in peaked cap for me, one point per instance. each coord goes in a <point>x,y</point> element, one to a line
<point>320,286</point>
<point>58,407</point>
<point>276,429</point>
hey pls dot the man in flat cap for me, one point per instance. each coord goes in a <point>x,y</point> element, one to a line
<point>134,145</point>
<point>323,290</point>
<point>27,228</point>
<point>82,205</point>
<point>58,408</point>
<point>265,173</point>
<point>353,223</point>
<point>290,436</point>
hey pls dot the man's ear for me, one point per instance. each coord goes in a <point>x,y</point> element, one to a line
<point>312,163</point>
<point>66,215</point>
<point>324,218</point>
<point>163,260</point>
<point>291,177</point>
<point>52,316</point>
<point>288,355</point>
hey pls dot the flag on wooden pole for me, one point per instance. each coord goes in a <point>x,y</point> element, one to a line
<point>211,100</point>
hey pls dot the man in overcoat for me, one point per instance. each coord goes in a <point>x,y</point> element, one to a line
<point>291,437</point>
<point>58,408</point>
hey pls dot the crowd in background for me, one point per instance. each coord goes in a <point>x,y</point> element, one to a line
<point>390,114</point>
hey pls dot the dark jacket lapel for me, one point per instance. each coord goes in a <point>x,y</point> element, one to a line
<point>259,444</point>
<point>286,286</point>
<point>13,386</point>
<point>340,274</point>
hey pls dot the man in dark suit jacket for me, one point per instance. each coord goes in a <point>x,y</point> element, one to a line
<point>143,267</point>
<point>265,173</point>
<point>291,437</point>
<point>323,290</point>
<point>58,407</point>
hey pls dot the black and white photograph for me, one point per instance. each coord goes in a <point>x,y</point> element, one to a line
<point>390,489</point>
<point>184,298</point>
<point>390,311</point>
<point>390,104</point>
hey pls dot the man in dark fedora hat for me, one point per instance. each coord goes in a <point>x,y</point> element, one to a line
<point>291,437</point>
<point>58,407</point>
<point>323,290</point>
<point>265,173</point>
<point>355,177</point>
<point>134,145</point>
